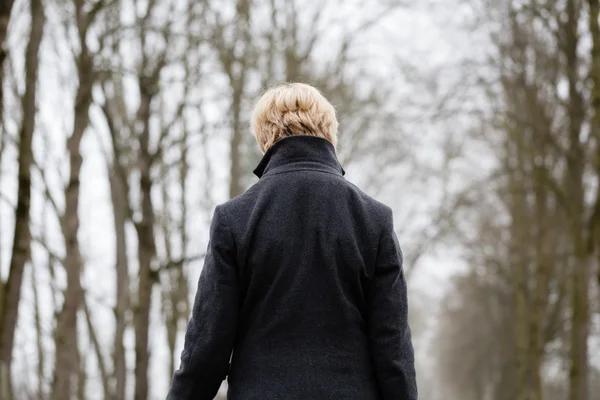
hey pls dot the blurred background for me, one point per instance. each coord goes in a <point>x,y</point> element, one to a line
<point>125,122</point>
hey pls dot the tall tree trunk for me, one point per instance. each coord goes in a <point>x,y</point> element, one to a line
<point>521,332</point>
<point>236,68</point>
<point>10,292</point>
<point>169,288</point>
<point>146,247</point>
<point>542,278</point>
<point>235,185</point>
<point>293,63</point>
<point>118,172</point>
<point>118,191</point>
<point>65,370</point>
<point>579,370</point>
<point>5,11</point>
<point>182,298</point>
<point>518,264</point>
<point>594,13</point>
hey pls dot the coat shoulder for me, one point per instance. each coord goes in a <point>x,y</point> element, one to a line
<point>377,209</point>
<point>379,214</point>
<point>238,207</point>
<point>249,196</point>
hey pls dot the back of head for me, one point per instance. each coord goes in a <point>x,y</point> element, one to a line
<point>293,109</point>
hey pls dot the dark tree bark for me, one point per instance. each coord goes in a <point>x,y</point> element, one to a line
<point>5,12</point>
<point>594,13</point>
<point>118,193</point>
<point>236,186</point>
<point>146,244</point>
<point>10,292</point>
<point>579,364</point>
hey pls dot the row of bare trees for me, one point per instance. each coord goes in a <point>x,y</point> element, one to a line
<point>154,90</point>
<point>532,242</point>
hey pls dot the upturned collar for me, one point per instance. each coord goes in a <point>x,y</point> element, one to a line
<point>300,152</point>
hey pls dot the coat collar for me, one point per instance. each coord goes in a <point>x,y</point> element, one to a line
<point>300,152</point>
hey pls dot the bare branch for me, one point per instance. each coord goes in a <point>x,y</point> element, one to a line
<point>97,349</point>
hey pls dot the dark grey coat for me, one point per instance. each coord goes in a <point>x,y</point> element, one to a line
<point>303,281</point>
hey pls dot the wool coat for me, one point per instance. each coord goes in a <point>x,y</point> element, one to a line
<point>302,295</point>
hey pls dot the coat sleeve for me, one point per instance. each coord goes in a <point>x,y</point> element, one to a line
<point>389,332</point>
<point>211,332</point>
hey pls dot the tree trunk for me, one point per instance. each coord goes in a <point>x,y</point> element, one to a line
<point>169,289</point>
<point>579,370</point>
<point>236,69</point>
<point>181,298</point>
<point>235,185</point>
<point>65,371</point>
<point>594,12</point>
<point>146,249</point>
<point>11,290</point>
<point>118,172</point>
<point>542,278</point>
<point>5,11</point>
<point>521,332</point>
<point>118,192</point>
<point>175,290</point>
<point>293,63</point>
<point>518,265</point>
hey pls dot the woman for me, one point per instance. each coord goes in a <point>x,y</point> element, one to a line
<point>303,277</point>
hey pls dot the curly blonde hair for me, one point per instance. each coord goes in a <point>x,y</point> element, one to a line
<point>293,109</point>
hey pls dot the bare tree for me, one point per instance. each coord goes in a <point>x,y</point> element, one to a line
<point>66,367</point>
<point>10,291</point>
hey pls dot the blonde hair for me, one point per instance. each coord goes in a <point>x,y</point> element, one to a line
<point>293,109</point>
